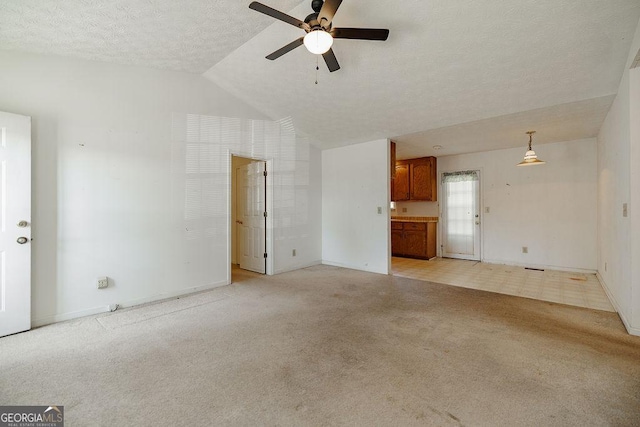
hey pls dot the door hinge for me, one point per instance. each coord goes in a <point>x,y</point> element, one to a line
<point>264,173</point>
<point>265,214</point>
<point>265,254</point>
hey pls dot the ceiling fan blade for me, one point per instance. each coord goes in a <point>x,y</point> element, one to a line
<point>360,33</point>
<point>286,49</point>
<point>330,59</point>
<point>259,7</point>
<point>327,12</point>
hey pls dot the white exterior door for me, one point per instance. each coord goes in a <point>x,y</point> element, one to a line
<point>252,212</point>
<point>461,215</point>
<point>15,223</point>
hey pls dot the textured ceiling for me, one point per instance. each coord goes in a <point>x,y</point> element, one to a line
<point>468,75</point>
<point>183,35</point>
<point>565,122</point>
<point>445,63</point>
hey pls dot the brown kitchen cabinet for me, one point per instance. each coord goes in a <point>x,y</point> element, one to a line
<point>413,239</point>
<point>415,179</point>
<point>400,185</point>
<point>392,163</point>
<point>397,239</point>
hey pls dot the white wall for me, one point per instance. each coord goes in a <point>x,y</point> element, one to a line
<point>634,186</point>
<point>355,182</point>
<point>614,231</point>
<point>551,208</point>
<point>619,183</point>
<point>129,182</point>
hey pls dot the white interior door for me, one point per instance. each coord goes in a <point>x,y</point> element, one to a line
<point>461,215</point>
<point>15,223</point>
<point>252,212</point>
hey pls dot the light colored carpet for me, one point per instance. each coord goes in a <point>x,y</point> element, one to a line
<point>329,346</point>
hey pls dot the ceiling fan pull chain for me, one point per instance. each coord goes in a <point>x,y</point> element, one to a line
<point>317,68</point>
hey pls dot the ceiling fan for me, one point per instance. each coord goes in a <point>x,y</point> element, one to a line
<point>320,34</point>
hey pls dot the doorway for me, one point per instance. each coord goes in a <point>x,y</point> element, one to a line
<point>461,215</point>
<point>248,215</point>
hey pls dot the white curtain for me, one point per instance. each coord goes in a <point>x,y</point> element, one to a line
<point>462,176</point>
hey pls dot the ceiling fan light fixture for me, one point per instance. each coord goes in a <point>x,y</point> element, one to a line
<point>530,157</point>
<point>318,41</point>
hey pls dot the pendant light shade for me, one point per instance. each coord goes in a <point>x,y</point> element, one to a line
<point>530,157</point>
<point>318,41</point>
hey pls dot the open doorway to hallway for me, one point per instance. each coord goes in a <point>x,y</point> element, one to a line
<point>248,215</point>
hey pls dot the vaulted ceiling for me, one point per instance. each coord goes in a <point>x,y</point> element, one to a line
<point>463,74</point>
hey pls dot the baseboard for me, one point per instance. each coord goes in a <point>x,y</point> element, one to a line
<point>298,266</point>
<point>172,294</point>
<point>631,330</point>
<point>47,320</point>
<point>354,267</point>
<point>63,317</point>
<point>540,266</point>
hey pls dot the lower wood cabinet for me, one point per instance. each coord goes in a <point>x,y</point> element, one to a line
<point>413,239</point>
<point>397,239</point>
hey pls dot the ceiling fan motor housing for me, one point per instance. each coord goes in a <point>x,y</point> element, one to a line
<point>312,21</point>
<point>316,5</point>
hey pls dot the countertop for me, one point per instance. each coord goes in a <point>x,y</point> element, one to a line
<point>414,218</point>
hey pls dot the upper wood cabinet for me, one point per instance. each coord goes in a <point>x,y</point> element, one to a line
<point>392,163</point>
<point>423,179</point>
<point>415,180</point>
<point>400,185</point>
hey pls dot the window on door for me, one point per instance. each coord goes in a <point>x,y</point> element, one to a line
<point>461,215</point>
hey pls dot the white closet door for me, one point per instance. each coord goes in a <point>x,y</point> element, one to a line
<point>15,223</point>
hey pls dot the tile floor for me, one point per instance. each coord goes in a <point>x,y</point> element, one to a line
<point>578,289</point>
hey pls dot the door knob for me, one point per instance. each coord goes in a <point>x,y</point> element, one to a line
<point>239,222</point>
<point>23,224</point>
<point>22,240</point>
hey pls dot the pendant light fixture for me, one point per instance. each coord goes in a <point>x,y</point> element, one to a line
<point>530,157</point>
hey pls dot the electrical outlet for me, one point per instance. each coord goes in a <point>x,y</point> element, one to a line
<point>293,253</point>
<point>379,210</point>
<point>103,282</point>
<point>404,210</point>
<point>525,250</point>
